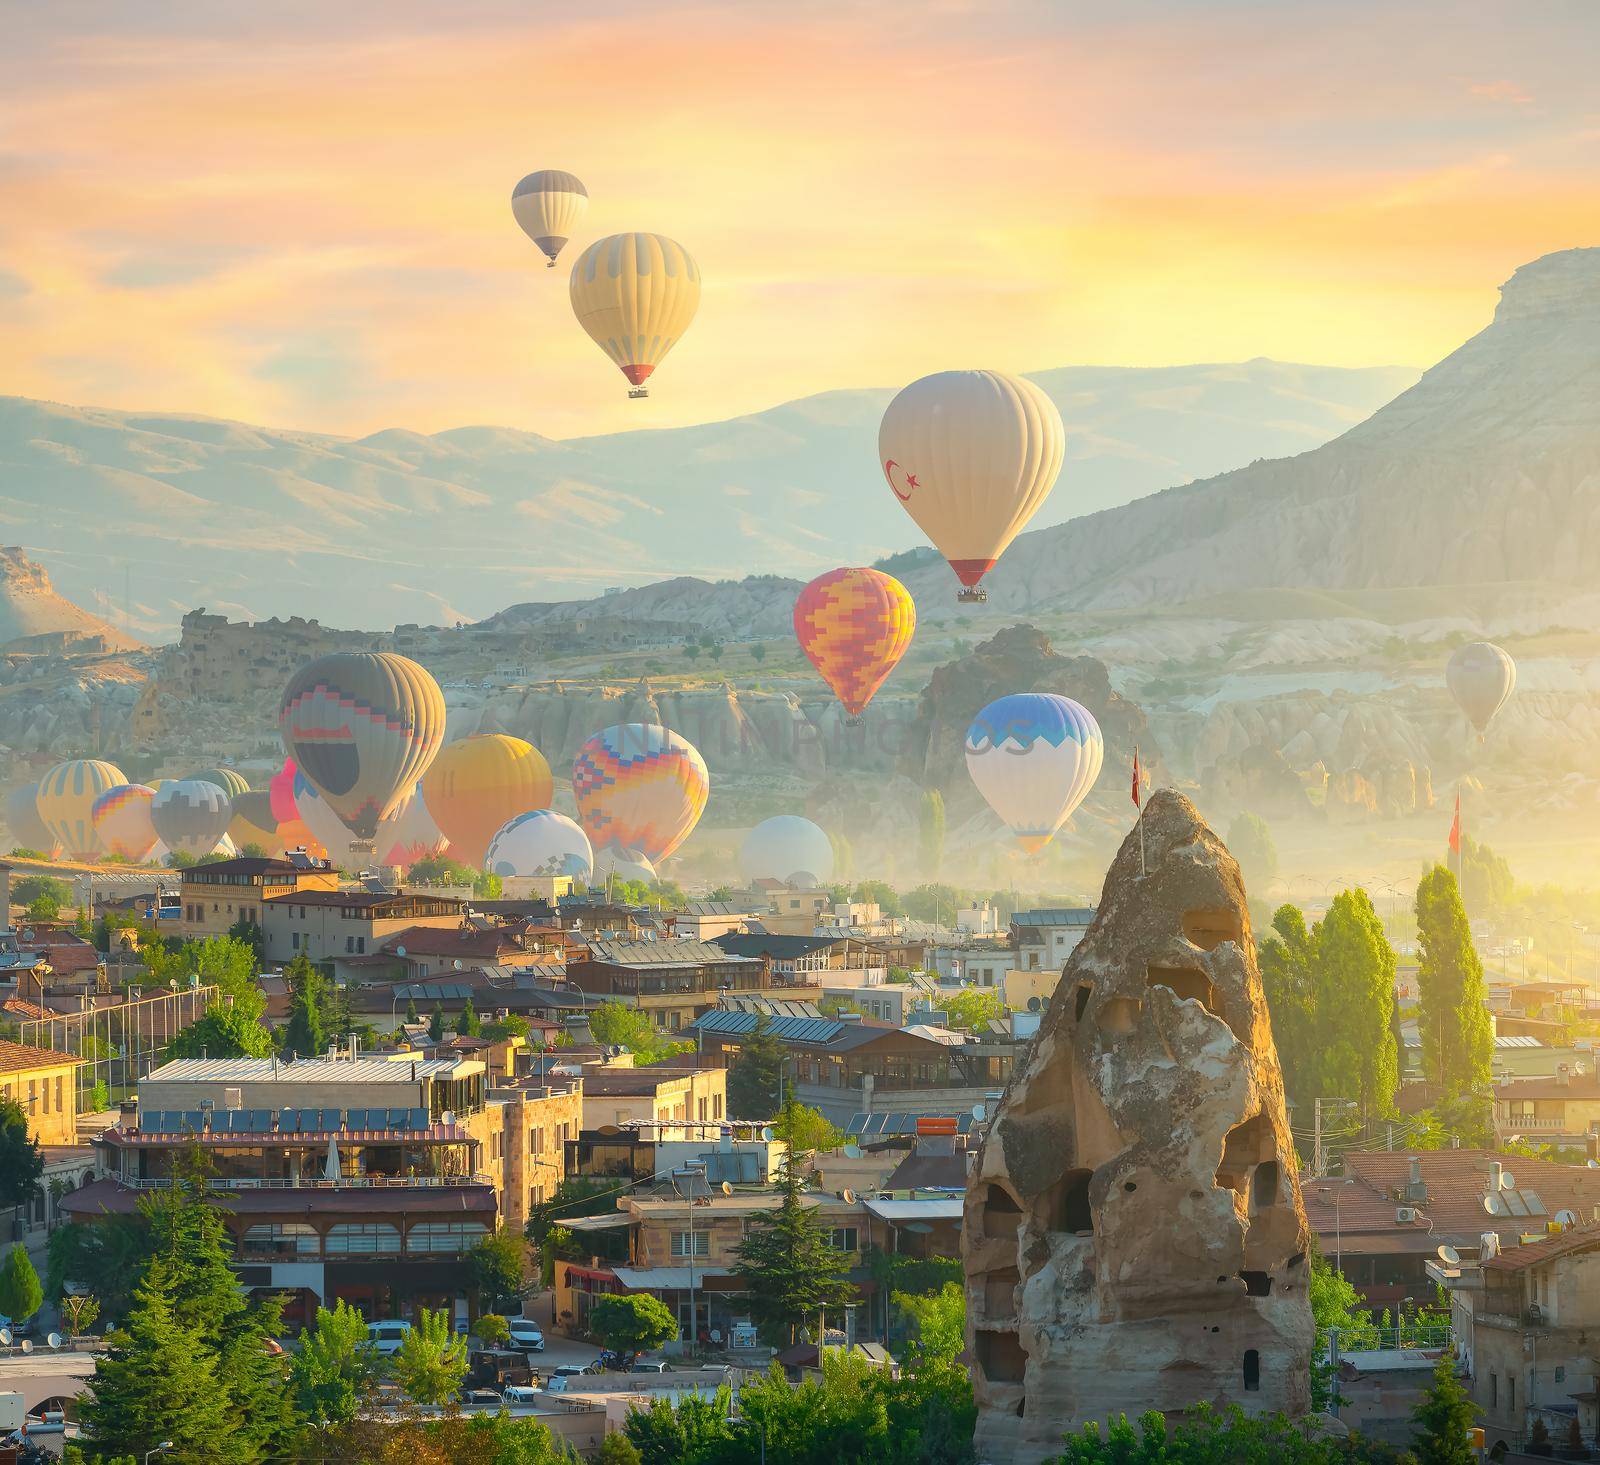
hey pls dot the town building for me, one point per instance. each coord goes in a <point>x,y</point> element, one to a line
<point>737,1154</point>
<point>330,925</point>
<point>43,1085</point>
<point>215,897</point>
<point>616,1092</point>
<point>706,920</point>
<point>672,982</point>
<point>1561,1110</point>
<point>1046,938</point>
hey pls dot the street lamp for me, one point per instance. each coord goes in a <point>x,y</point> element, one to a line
<point>1334,1195</point>
<point>689,1172</point>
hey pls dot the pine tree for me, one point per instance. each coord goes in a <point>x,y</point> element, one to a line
<point>411,1010</point>
<point>1453,1020</point>
<point>20,1292</point>
<point>467,1024</point>
<point>302,1035</point>
<point>755,1077</point>
<point>1443,1418</point>
<point>436,1024</point>
<point>157,1382</point>
<point>787,1267</point>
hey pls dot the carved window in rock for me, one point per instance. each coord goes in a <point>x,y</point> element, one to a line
<point>1264,1182</point>
<point>1066,1204</point>
<point>1001,1214</point>
<point>1119,1015</point>
<point>1000,1293</point>
<point>1252,1369</point>
<point>1001,1356</point>
<point>1257,1284</point>
<point>1080,1001</point>
<point>1247,1152</point>
<point>1209,929</point>
<point>1189,983</point>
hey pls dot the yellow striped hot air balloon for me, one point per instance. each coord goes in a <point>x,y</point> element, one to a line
<point>67,796</point>
<point>548,205</point>
<point>635,294</point>
<point>362,727</point>
<point>478,784</point>
<point>971,455</point>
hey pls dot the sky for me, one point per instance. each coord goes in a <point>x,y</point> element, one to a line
<point>298,214</point>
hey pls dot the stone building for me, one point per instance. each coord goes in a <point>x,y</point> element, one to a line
<point>1134,1237</point>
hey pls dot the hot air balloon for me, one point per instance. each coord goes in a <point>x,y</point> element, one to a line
<point>28,830</point>
<point>640,789</point>
<point>787,848</point>
<point>122,821</point>
<point>253,822</point>
<point>1481,677</point>
<point>228,780</point>
<point>280,789</point>
<point>971,455</point>
<point>362,726</point>
<point>548,205</point>
<point>854,626</point>
<point>476,784</point>
<point>635,294</point>
<point>66,801</point>
<point>409,833</point>
<point>191,816</point>
<point>541,843</point>
<point>1034,756</point>
<point>613,862</point>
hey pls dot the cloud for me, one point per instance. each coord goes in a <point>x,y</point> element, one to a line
<point>1501,91</point>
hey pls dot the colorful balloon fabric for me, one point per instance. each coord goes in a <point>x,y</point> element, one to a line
<point>253,822</point>
<point>614,862</point>
<point>640,789</point>
<point>280,789</point>
<point>548,206</point>
<point>788,848</point>
<point>66,799</point>
<point>122,822</point>
<point>362,727</point>
<point>854,626</point>
<point>28,830</point>
<point>635,295</point>
<point>971,455</point>
<point>1034,756</point>
<point>1481,677</point>
<point>476,784</point>
<point>541,843</point>
<point>191,816</point>
<point>409,833</point>
<point>230,781</point>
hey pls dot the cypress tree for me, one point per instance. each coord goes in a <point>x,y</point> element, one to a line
<point>467,1024</point>
<point>436,1024</point>
<point>1443,1418</point>
<point>1453,1017</point>
<point>755,1077</point>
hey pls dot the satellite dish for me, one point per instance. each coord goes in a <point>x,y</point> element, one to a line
<point>847,1195</point>
<point>1033,1004</point>
<point>1450,1256</point>
<point>399,951</point>
<point>766,1134</point>
<point>1566,1217</point>
<point>726,1188</point>
<point>27,933</point>
<point>852,1152</point>
<point>1508,1181</point>
<point>5,1337</point>
<point>456,963</point>
<point>1494,1205</point>
<point>1594,1164</point>
<point>26,1345</point>
<point>978,1111</point>
<point>55,1340</point>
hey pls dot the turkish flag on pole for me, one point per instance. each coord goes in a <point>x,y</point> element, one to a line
<point>1455,829</point>
<point>1136,775</point>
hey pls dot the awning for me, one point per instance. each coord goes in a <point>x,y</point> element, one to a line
<point>597,1223</point>
<point>648,1279</point>
<point>944,1209</point>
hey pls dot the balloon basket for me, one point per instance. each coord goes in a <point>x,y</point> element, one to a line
<point>852,722</point>
<point>549,264</point>
<point>971,594</point>
<point>638,391</point>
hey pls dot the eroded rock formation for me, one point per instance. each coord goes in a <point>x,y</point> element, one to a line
<point>1134,1237</point>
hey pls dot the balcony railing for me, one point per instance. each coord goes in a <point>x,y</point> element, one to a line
<point>350,1182</point>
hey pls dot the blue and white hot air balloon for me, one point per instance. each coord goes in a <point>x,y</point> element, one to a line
<point>1034,756</point>
<point>789,848</point>
<point>542,842</point>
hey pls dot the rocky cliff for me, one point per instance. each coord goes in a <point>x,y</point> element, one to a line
<point>35,619</point>
<point>1134,1237</point>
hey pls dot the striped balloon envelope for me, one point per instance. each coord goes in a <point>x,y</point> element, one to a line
<point>66,800</point>
<point>191,816</point>
<point>1034,756</point>
<point>635,294</point>
<point>122,821</point>
<point>639,788</point>
<point>854,626</point>
<point>548,205</point>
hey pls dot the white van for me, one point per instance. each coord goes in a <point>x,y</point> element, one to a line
<point>385,1335</point>
<point>520,1394</point>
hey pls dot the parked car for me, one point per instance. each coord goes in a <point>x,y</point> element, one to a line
<point>521,1394</point>
<point>526,1335</point>
<point>572,1370</point>
<point>645,1365</point>
<point>386,1334</point>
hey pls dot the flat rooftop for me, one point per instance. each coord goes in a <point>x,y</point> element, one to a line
<point>309,1070</point>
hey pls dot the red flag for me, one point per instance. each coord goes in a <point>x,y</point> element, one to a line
<point>1455,829</point>
<point>1136,776</point>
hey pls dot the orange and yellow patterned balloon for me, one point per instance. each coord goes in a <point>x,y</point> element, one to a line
<point>855,625</point>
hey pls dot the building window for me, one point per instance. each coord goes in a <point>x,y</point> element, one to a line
<point>1494,1391</point>
<point>683,1241</point>
<point>1561,1373</point>
<point>445,1236</point>
<point>351,1237</point>
<point>361,945</point>
<point>349,944</point>
<point>843,1238</point>
<point>283,1238</point>
<point>58,1094</point>
<point>1511,1392</point>
<point>294,941</point>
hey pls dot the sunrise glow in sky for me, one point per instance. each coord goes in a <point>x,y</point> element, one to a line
<point>298,213</point>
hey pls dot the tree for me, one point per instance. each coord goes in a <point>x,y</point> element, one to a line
<point>431,1360</point>
<point>1453,1012</point>
<point>247,933</point>
<point>411,1011</point>
<point>1485,877</point>
<point>786,1265</point>
<point>20,1292</point>
<point>930,832</point>
<point>1251,843</point>
<point>1288,958</point>
<point>21,1160</point>
<point>633,1323</point>
<point>805,1130</point>
<point>880,894</point>
<point>1443,1419</point>
<point>973,1007</point>
<point>157,1381</point>
<point>616,1448</point>
<point>80,1312</point>
<point>103,1256</point>
<point>33,888</point>
<point>334,1367</point>
<point>467,1024</point>
<point>436,1024</point>
<point>224,1030</point>
<point>755,1077</point>
<point>939,1322</point>
<point>492,1328</point>
<point>1205,1436</point>
<point>499,1264</point>
<point>43,908</point>
<point>614,1025</point>
<point>302,1034</point>
<point>1355,995</point>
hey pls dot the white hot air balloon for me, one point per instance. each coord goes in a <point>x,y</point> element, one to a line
<point>787,848</point>
<point>635,294</point>
<point>541,843</point>
<point>971,455</point>
<point>1034,756</point>
<point>1481,677</point>
<point>549,205</point>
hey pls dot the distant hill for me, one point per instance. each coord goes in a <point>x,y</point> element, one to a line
<point>31,611</point>
<point>1486,472</point>
<point>402,527</point>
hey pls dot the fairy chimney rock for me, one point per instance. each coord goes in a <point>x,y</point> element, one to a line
<point>1134,1237</point>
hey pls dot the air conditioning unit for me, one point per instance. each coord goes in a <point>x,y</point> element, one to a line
<point>1406,1215</point>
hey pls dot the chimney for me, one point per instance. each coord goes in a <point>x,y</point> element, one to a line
<point>1495,1171</point>
<point>1563,1077</point>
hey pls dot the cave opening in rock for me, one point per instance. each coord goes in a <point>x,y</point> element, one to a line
<point>1001,1213</point>
<point>1080,1001</point>
<point>1119,1015</point>
<point>1067,1203</point>
<point>1000,1293</point>
<point>1252,1369</point>
<point>1189,983</point>
<point>1257,1284</point>
<point>1264,1185</point>
<point>1209,929</point>
<point>1000,1356</point>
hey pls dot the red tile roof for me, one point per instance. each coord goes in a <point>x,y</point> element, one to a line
<point>18,1057</point>
<point>1567,1243</point>
<point>1577,1086</point>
